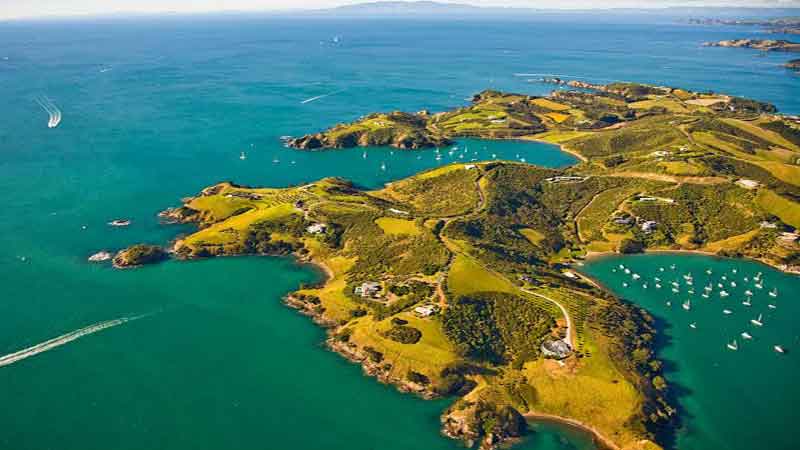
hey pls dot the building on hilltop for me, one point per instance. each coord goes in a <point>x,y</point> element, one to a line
<point>317,228</point>
<point>557,349</point>
<point>369,289</point>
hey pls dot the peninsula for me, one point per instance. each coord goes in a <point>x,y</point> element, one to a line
<point>460,281</point>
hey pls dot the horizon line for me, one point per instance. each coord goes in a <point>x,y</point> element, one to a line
<point>286,11</point>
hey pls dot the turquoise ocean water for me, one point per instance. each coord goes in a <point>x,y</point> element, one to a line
<point>157,109</point>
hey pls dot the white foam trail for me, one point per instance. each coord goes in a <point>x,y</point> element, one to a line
<point>313,99</point>
<point>560,76</point>
<point>52,111</point>
<point>11,358</point>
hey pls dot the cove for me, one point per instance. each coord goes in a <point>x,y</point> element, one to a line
<point>728,399</point>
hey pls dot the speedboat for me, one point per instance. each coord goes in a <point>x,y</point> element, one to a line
<point>771,306</point>
<point>119,223</point>
<point>727,311</point>
<point>779,349</point>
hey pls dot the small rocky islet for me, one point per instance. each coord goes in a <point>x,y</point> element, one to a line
<point>413,267</point>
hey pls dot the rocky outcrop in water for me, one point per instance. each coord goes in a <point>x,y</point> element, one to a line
<point>139,255</point>
<point>793,64</point>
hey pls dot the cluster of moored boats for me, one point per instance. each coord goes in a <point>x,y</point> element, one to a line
<point>719,286</point>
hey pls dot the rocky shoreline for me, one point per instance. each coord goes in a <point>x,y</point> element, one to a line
<point>768,45</point>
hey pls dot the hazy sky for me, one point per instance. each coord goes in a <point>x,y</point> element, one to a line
<point>36,8</point>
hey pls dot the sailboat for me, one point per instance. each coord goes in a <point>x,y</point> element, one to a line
<point>757,322</point>
<point>723,293</point>
<point>658,286</point>
<point>748,292</point>
<point>771,306</point>
<point>708,271</point>
<point>687,305</point>
<point>747,302</point>
<point>383,166</point>
<point>624,284</point>
<point>733,284</point>
<point>746,335</point>
<point>727,311</point>
<point>733,345</point>
<point>635,276</point>
<point>693,325</point>
<point>759,286</point>
<point>672,267</point>
<point>364,155</point>
<point>704,295</point>
<point>242,156</point>
<point>773,293</point>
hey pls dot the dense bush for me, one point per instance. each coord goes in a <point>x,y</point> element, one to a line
<point>495,326</point>
<point>404,334</point>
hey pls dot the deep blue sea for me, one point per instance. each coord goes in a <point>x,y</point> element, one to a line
<point>155,109</point>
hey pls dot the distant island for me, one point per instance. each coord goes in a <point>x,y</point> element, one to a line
<point>779,25</point>
<point>769,45</point>
<point>462,281</point>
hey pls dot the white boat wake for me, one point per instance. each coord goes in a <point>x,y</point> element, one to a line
<point>313,99</point>
<point>525,75</point>
<point>52,111</point>
<point>50,344</point>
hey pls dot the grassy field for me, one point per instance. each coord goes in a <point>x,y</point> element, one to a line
<point>732,243</point>
<point>670,104</point>
<point>787,210</point>
<point>428,356</point>
<point>233,229</point>
<point>391,225</point>
<point>551,105</point>
<point>594,392</point>
<point>535,237</point>
<point>467,276</point>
